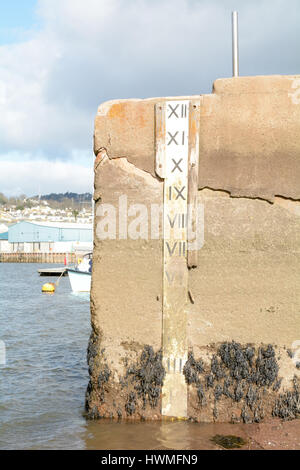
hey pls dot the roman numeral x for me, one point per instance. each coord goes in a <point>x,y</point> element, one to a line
<point>177,165</point>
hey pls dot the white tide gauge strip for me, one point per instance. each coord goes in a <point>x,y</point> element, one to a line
<point>175,273</point>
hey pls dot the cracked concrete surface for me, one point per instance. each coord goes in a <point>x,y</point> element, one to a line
<point>246,286</point>
<point>249,132</point>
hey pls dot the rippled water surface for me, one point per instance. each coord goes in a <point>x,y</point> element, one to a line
<point>42,385</point>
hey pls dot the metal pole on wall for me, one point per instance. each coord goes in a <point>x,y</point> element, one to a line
<point>235,45</point>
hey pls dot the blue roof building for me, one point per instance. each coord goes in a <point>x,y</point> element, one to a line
<point>32,232</point>
<point>4,236</point>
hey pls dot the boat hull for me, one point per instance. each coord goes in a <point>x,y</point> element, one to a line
<point>80,281</point>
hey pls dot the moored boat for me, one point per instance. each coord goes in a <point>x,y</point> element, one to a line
<point>81,275</point>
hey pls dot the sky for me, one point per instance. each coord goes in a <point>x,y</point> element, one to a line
<point>59,59</point>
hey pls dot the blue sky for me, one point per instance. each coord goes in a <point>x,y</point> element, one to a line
<point>17,17</point>
<point>59,59</point>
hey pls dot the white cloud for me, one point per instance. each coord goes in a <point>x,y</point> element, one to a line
<point>94,50</point>
<point>33,176</point>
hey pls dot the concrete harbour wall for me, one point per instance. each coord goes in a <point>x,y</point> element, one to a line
<point>243,303</point>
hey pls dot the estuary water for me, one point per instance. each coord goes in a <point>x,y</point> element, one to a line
<point>42,384</point>
<point>44,378</point>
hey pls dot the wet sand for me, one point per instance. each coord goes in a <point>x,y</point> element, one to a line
<point>270,435</point>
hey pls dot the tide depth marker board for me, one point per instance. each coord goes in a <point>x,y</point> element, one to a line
<point>177,142</point>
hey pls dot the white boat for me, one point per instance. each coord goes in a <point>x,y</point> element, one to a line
<point>81,275</point>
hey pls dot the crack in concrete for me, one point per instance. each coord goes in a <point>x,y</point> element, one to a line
<point>124,164</point>
<point>277,197</point>
<point>289,203</point>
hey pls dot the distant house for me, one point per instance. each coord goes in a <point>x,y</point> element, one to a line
<point>47,237</point>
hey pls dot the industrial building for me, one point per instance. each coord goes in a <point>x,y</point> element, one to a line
<point>47,237</point>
